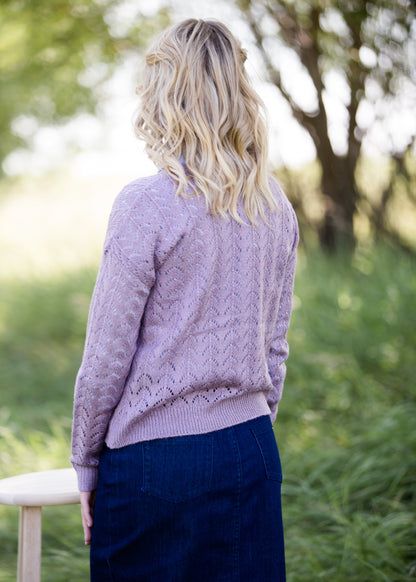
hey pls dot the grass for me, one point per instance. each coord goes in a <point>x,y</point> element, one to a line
<point>345,427</point>
<point>346,423</point>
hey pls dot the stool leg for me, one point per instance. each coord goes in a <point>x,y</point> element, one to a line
<point>30,536</point>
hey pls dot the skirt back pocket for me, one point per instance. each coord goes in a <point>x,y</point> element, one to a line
<point>178,468</point>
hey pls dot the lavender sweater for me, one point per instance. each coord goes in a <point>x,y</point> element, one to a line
<point>187,325</point>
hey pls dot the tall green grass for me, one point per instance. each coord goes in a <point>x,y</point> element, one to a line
<point>346,426</point>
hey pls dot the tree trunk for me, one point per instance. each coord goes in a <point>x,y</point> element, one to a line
<point>340,195</point>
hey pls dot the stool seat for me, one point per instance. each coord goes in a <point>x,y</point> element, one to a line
<point>57,487</point>
<point>32,492</point>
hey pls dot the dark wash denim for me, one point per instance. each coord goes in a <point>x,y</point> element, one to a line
<point>200,508</point>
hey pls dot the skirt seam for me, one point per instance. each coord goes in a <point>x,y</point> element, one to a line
<point>237,511</point>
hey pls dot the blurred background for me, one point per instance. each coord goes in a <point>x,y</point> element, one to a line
<point>338,78</point>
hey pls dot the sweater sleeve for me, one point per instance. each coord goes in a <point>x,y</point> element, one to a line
<point>124,280</point>
<point>279,350</point>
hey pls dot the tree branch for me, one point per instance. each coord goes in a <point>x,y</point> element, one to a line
<point>303,39</point>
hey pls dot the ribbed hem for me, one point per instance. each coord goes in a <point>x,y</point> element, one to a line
<point>87,477</point>
<point>167,422</point>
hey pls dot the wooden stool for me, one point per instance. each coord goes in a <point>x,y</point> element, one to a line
<point>32,492</point>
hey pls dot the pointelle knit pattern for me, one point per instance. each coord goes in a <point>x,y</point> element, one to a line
<point>188,322</point>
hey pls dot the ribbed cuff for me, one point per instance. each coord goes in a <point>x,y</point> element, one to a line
<point>87,477</point>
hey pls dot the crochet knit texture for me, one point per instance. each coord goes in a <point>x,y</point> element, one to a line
<point>188,321</point>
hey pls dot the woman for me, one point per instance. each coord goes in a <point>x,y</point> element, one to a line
<point>185,352</point>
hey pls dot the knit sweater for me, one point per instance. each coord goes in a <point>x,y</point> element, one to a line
<point>187,325</point>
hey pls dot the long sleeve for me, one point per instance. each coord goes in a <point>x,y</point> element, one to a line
<point>279,350</point>
<point>124,280</point>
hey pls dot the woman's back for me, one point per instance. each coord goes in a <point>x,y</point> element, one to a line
<point>197,327</point>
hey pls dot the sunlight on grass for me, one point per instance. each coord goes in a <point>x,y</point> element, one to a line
<point>53,224</point>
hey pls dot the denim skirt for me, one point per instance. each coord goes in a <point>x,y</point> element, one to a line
<point>200,508</point>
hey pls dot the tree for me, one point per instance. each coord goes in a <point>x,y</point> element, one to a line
<point>368,44</point>
<point>54,53</point>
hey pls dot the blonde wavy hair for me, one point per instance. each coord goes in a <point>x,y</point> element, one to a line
<point>202,121</point>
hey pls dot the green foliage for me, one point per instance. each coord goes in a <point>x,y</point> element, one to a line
<point>345,427</point>
<point>54,54</point>
<point>41,334</point>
